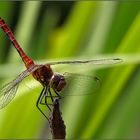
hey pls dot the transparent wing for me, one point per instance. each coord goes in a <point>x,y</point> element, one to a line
<point>8,91</point>
<point>7,94</point>
<point>79,84</point>
<point>95,62</point>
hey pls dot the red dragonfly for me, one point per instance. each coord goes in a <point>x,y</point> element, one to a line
<point>42,73</point>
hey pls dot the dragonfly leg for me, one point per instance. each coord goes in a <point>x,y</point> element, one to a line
<point>46,95</point>
<point>38,102</point>
<point>41,99</point>
<point>58,95</point>
<point>51,95</point>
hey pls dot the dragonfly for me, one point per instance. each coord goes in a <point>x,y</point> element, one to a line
<point>43,73</point>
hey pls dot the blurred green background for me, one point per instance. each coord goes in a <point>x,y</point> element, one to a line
<point>74,30</point>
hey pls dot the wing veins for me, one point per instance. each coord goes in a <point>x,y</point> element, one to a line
<point>95,61</point>
<point>8,91</point>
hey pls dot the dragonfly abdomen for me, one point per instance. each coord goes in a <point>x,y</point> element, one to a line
<point>27,61</point>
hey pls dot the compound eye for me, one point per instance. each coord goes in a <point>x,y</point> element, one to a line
<point>58,82</point>
<point>55,81</point>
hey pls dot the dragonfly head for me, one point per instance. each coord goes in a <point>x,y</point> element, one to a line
<point>58,82</point>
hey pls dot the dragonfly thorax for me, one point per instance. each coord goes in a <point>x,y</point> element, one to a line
<point>58,82</point>
<point>43,74</point>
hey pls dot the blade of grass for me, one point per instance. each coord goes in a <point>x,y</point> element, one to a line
<point>72,33</point>
<point>105,101</point>
<point>124,116</point>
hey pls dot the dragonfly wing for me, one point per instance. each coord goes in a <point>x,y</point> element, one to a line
<point>95,62</point>
<point>8,91</point>
<point>7,95</point>
<point>79,84</point>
